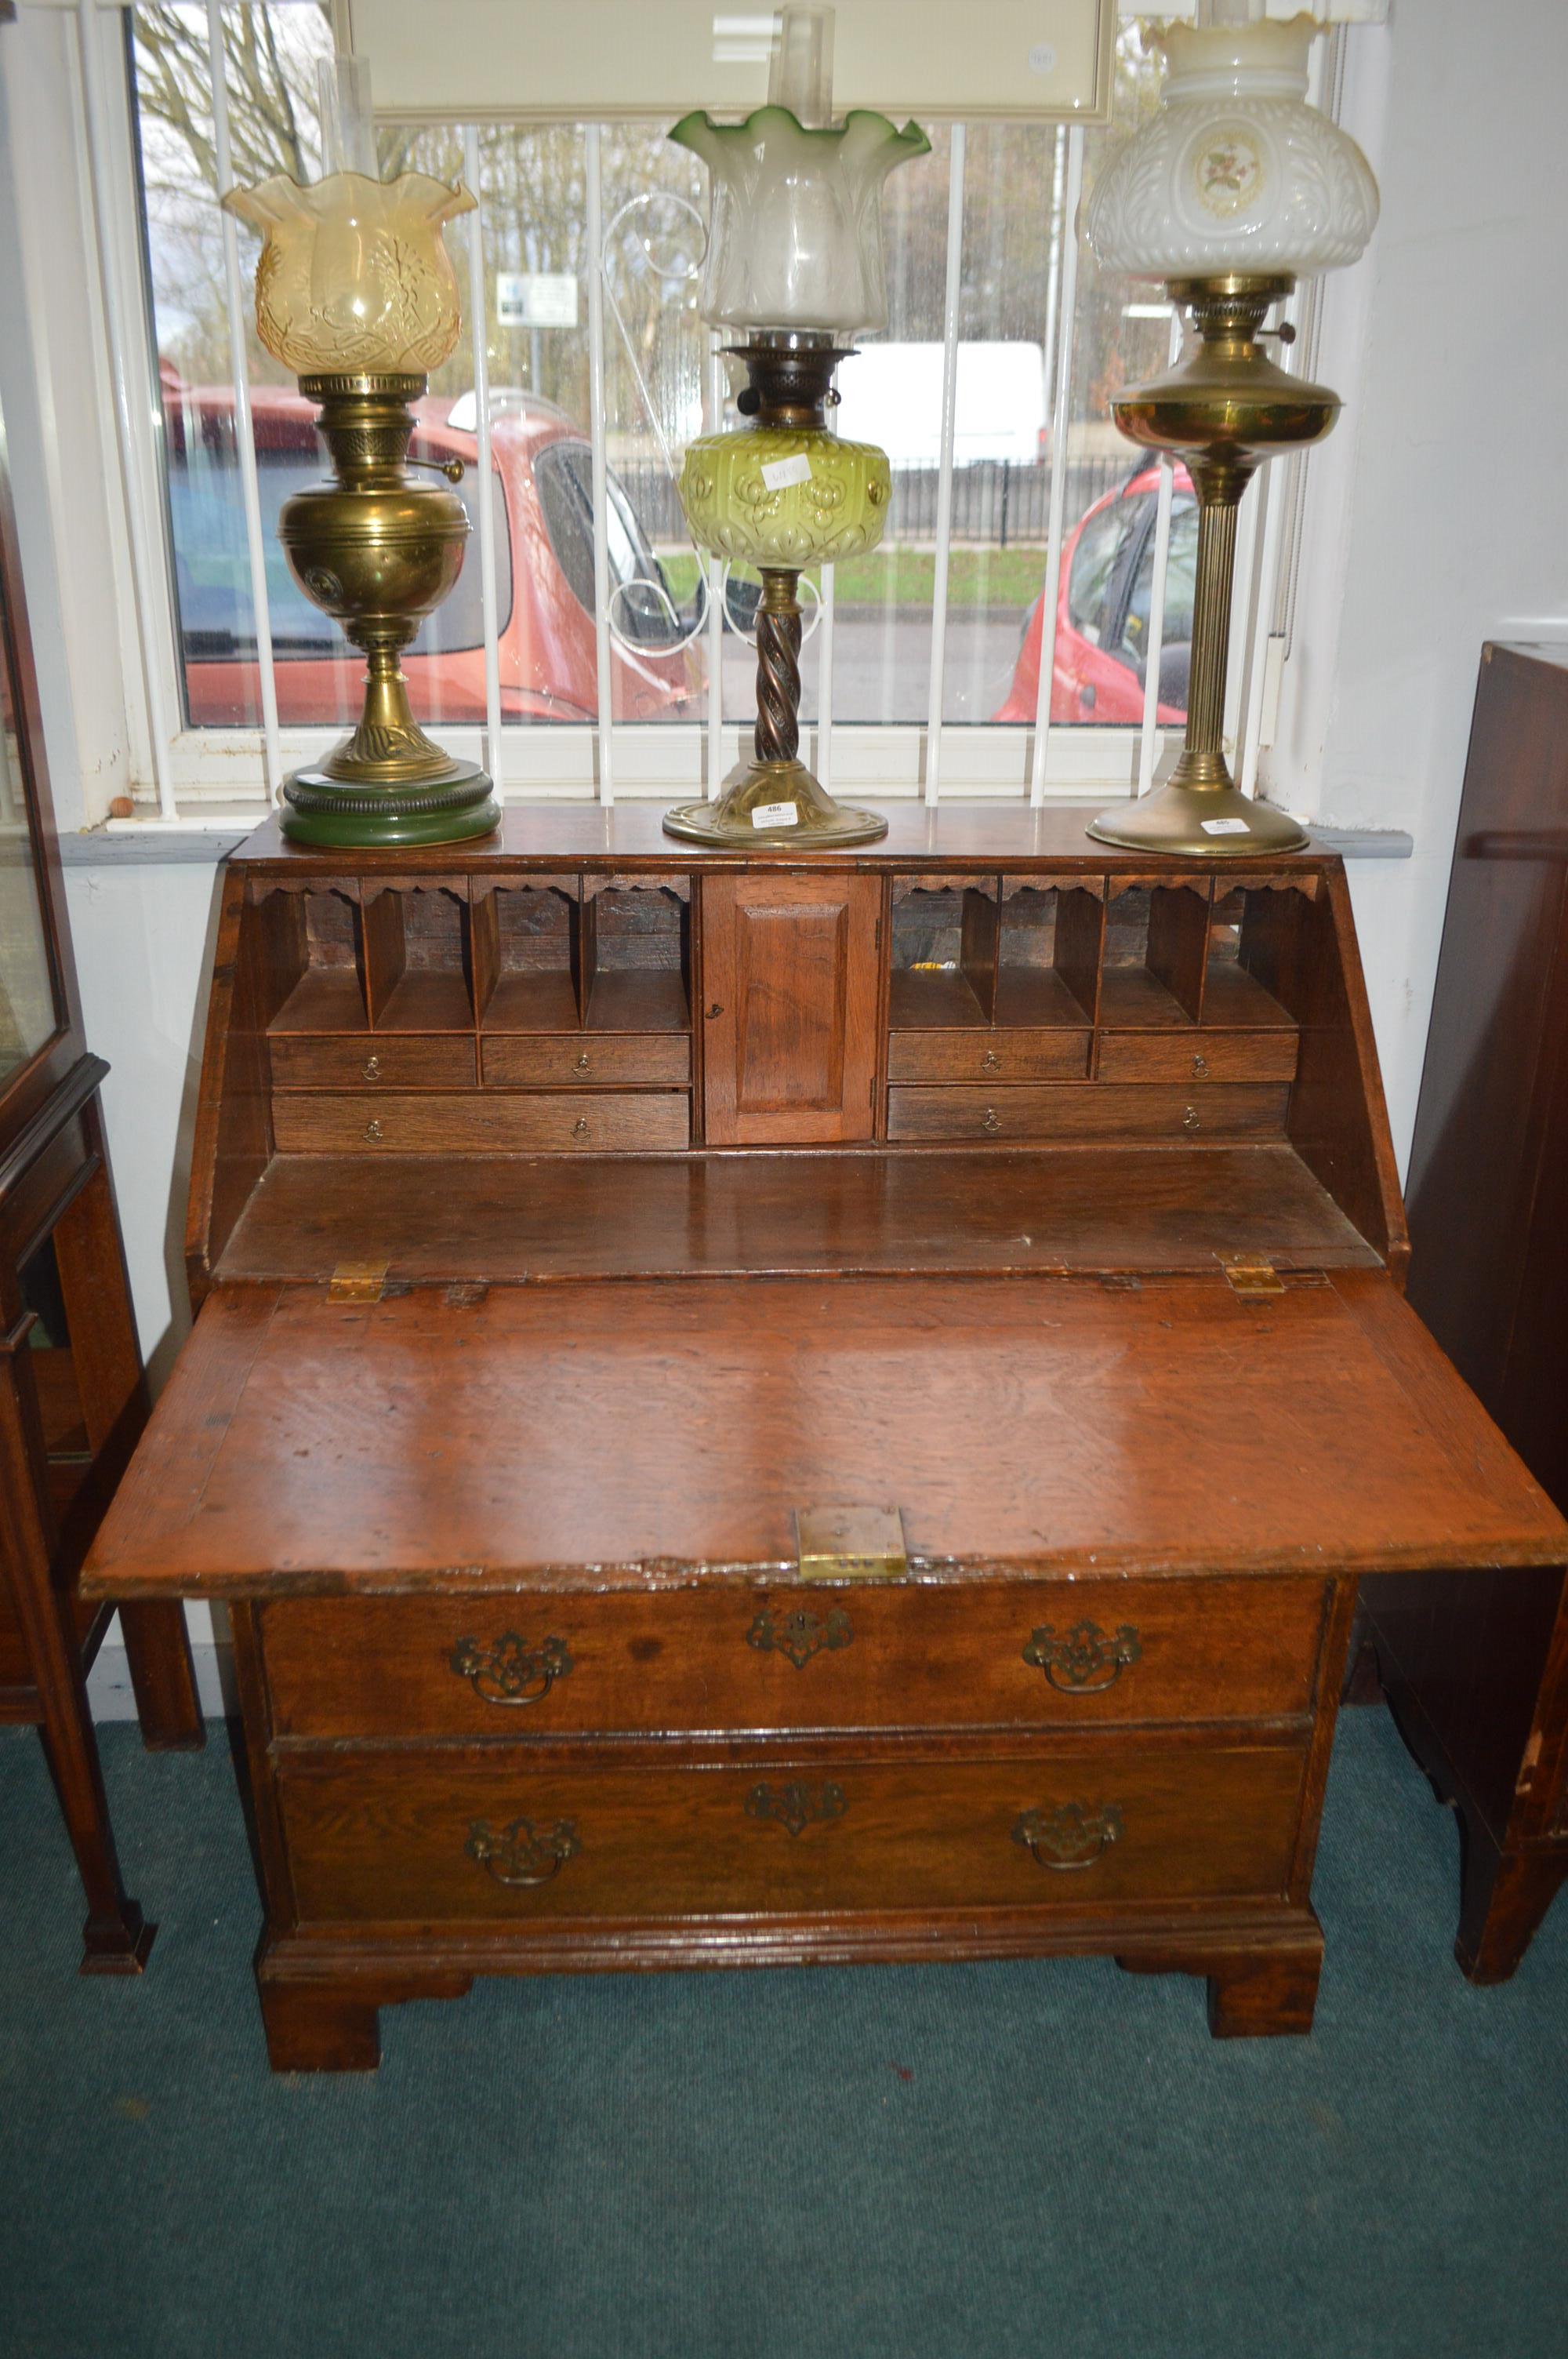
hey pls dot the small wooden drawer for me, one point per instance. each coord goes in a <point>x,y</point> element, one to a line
<point>882,1655</point>
<point>1195,1056</point>
<point>587,1060</point>
<point>521,1835</point>
<point>543,1119</point>
<point>973,1055</point>
<point>1216,1110</point>
<point>409,1062</point>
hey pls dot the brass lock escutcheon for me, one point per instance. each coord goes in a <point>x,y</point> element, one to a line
<point>509,1670</point>
<point>370,1069</point>
<point>1073,1834</point>
<point>799,1635</point>
<point>522,1854</point>
<point>1083,1660</point>
<point>796,1807</point>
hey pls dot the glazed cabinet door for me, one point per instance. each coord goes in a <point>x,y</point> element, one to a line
<point>791,974</point>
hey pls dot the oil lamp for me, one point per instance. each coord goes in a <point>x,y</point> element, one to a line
<point>794,272</point>
<point>1232,191</point>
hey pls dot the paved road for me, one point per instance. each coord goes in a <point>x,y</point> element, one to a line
<point>882,668</point>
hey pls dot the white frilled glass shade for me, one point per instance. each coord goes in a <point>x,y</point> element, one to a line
<point>354,276</point>
<point>1237,173</point>
<point>795,241</point>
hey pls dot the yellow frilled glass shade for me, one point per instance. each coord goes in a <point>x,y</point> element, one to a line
<point>355,277</point>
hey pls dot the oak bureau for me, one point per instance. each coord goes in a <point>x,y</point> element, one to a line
<point>793,1410</point>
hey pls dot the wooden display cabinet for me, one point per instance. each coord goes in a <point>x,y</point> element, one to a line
<point>834,1410</point>
<point>72,1397</point>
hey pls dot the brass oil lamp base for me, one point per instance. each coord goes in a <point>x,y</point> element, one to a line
<point>378,550</point>
<point>787,489</point>
<point>1226,409</point>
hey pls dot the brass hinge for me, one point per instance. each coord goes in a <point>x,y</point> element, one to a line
<point>850,1544</point>
<point>1251,1275</point>
<point>357,1281</point>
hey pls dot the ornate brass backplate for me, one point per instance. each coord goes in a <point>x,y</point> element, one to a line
<point>509,1670</point>
<point>800,1634</point>
<point>1082,1660</point>
<point>1073,1834</point>
<point>522,1854</point>
<point>796,1807</point>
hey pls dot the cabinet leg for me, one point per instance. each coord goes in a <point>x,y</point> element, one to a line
<point>116,1937</point>
<point>158,1650</point>
<point>1256,1990</point>
<point>1503,1897</point>
<point>316,2028</point>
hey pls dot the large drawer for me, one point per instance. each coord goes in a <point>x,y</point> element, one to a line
<point>1197,1056</point>
<point>1006,1655</point>
<point>586,1061</point>
<point>477,1124</point>
<point>387,1061</point>
<point>1105,1111</point>
<point>421,1838</point>
<point>972,1055</point>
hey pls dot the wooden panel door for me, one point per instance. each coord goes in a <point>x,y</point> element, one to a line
<point>790,969</point>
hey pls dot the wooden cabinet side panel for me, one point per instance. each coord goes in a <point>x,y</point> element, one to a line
<point>232,1138</point>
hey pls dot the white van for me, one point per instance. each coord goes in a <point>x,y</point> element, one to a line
<point>891,395</point>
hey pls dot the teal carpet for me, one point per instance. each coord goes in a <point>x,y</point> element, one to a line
<point>909,2163</point>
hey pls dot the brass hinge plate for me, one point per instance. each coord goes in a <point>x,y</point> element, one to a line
<point>357,1281</point>
<point>1252,1276</point>
<point>850,1544</point>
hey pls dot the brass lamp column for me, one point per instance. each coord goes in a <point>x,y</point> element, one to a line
<point>1223,412</point>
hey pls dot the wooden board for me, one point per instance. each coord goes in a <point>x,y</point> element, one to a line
<point>591,1437</point>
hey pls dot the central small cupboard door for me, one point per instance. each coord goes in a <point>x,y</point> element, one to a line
<point>791,976</point>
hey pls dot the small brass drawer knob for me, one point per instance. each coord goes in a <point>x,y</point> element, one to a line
<point>796,1807</point>
<point>522,1854</point>
<point>370,1069</point>
<point>1082,1660</point>
<point>372,1132</point>
<point>1073,1834</point>
<point>992,1121</point>
<point>799,1636</point>
<point>510,1671</point>
<point>582,1061</point>
<point>991,1062</point>
<point>1200,1069</point>
<point>579,1127</point>
<point>1191,1118</point>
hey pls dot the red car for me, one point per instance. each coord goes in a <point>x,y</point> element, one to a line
<point>541,486</point>
<point>1102,615</point>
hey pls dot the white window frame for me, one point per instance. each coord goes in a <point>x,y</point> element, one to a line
<point>182,776</point>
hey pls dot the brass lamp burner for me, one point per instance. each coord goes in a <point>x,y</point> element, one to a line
<point>378,550</point>
<point>1226,409</point>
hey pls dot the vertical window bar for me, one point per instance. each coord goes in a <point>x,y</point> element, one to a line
<point>1156,642</point>
<point>952,291</point>
<point>106,210</point>
<point>1276,494</point>
<point>595,241</point>
<point>716,591</point>
<point>1066,303</point>
<point>824,685</point>
<point>478,338</point>
<point>245,433</point>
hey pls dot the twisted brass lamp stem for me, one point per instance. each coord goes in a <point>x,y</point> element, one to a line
<point>777,735</point>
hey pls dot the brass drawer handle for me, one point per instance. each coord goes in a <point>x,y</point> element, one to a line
<point>1191,1118</point>
<point>582,1061</point>
<point>796,1807</point>
<point>579,1127</point>
<point>522,1854</point>
<point>372,1132</point>
<point>1200,1069</point>
<point>800,1634</point>
<point>509,1670</point>
<point>1072,1835</point>
<point>1083,1660</point>
<point>370,1069</point>
<point>990,1062</point>
<point>993,1120</point>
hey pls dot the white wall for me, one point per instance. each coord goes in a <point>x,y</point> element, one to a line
<point>1459,506</point>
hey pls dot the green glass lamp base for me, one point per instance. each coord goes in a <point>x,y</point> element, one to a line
<point>773,807</point>
<point>361,817</point>
<point>1198,823</point>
